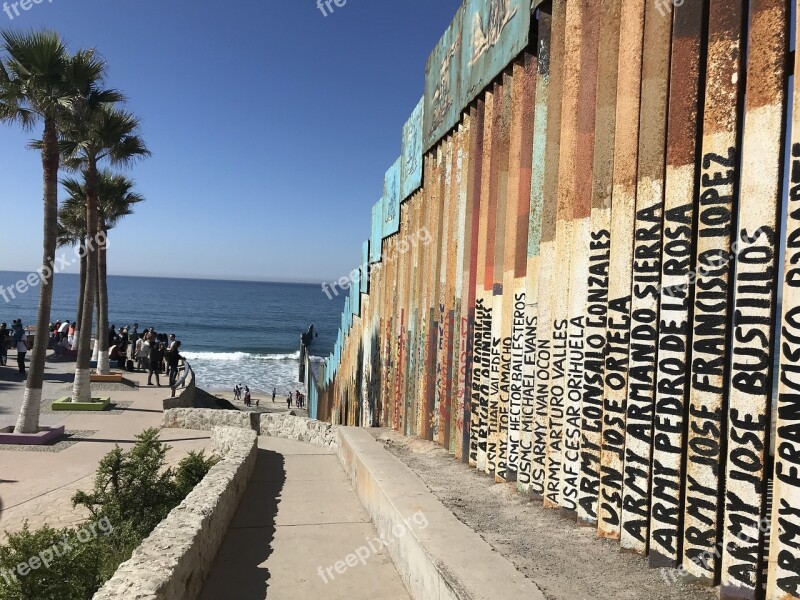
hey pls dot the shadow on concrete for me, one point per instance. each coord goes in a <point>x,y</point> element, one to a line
<point>140,410</point>
<point>248,543</point>
<point>59,377</point>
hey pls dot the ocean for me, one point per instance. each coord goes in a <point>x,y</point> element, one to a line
<point>231,331</point>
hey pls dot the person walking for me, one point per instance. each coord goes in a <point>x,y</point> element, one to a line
<point>173,361</point>
<point>289,401</point>
<point>21,346</point>
<point>4,345</point>
<point>274,391</point>
<point>156,354</point>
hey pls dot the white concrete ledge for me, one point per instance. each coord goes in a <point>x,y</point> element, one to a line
<point>175,559</point>
<point>205,419</point>
<point>301,429</point>
<point>442,560</point>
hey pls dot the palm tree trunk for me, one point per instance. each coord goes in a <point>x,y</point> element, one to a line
<point>81,293</point>
<point>96,338</point>
<point>103,367</point>
<point>28,421</point>
<point>81,390</point>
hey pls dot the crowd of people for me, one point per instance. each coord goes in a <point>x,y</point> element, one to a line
<point>15,338</point>
<point>242,394</point>
<point>147,351</point>
<point>144,351</point>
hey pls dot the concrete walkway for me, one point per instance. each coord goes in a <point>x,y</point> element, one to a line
<point>37,486</point>
<point>298,519</point>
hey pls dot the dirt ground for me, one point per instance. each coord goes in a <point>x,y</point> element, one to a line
<point>567,562</point>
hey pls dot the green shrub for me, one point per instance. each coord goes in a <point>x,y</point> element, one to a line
<point>72,571</point>
<point>191,471</point>
<point>133,492</point>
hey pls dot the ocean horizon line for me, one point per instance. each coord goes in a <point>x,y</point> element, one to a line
<point>167,277</point>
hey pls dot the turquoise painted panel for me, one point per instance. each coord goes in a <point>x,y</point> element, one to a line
<point>442,89</point>
<point>495,32</point>
<point>484,37</point>
<point>365,267</point>
<point>391,200</point>
<point>411,167</point>
<point>355,297</point>
<point>375,245</point>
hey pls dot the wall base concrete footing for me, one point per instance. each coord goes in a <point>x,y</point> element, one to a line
<point>439,559</point>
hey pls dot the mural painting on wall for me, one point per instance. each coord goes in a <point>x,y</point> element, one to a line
<point>391,200</point>
<point>484,37</point>
<point>411,162</point>
<point>496,31</point>
<point>441,106</point>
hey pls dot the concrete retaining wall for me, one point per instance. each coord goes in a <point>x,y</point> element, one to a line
<point>173,562</point>
<point>436,555</point>
<point>205,419</point>
<point>309,431</point>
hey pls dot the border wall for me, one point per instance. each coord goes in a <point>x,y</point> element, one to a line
<point>582,276</point>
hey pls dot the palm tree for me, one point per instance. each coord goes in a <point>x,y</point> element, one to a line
<point>71,232</point>
<point>115,201</point>
<point>96,133</point>
<point>39,82</point>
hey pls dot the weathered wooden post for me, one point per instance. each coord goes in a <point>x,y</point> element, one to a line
<point>527,468</point>
<point>646,280</point>
<point>553,339</point>
<point>784,553</point>
<point>583,114</point>
<point>599,252</point>
<point>717,200</point>
<point>676,287</point>
<point>622,227</point>
<point>757,249</point>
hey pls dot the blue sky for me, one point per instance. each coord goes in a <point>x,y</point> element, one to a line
<point>271,127</point>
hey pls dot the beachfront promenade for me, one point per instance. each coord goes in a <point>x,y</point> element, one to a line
<point>281,534</point>
<point>37,484</point>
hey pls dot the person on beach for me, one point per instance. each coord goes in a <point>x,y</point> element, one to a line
<point>156,355</point>
<point>274,391</point>
<point>237,392</point>
<point>289,401</point>
<point>71,334</point>
<point>248,399</point>
<point>60,349</point>
<point>21,346</point>
<point>3,345</point>
<point>144,354</point>
<point>173,362</point>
